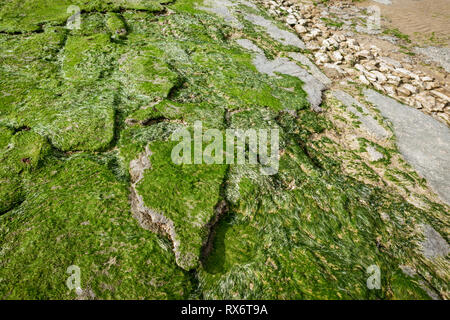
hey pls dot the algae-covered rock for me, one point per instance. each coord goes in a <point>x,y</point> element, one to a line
<point>82,120</point>
<point>210,115</point>
<point>73,117</point>
<point>5,136</point>
<point>28,72</point>
<point>10,192</point>
<point>305,234</point>
<point>147,75</point>
<point>25,151</point>
<point>87,58</point>
<point>78,214</point>
<point>185,194</point>
<point>116,25</point>
<point>10,183</point>
<point>30,15</point>
<point>89,121</point>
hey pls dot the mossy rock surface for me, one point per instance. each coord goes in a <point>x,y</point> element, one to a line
<point>186,194</point>
<point>76,213</point>
<point>30,15</point>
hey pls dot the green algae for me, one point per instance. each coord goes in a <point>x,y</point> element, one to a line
<point>211,116</point>
<point>10,185</point>
<point>145,115</point>
<point>320,232</point>
<point>318,240</point>
<point>30,15</point>
<point>148,76</point>
<point>186,194</point>
<point>27,69</point>
<point>133,140</point>
<point>11,192</point>
<point>20,154</point>
<point>86,58</point>
<point>5,136</point>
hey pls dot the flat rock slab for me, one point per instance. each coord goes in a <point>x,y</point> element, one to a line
<point>224,9</point>
<point>434,245</point>
<point>227,9</point>
<point>423,141</point>
<point>312,68</point>
<point>282,36</point>
<point>368,122</point>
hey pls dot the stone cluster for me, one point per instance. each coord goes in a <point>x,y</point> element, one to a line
<point>335,49</point>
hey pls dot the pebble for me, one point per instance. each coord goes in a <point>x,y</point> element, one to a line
<point>381,78</point>
<point>364,80</point>
<point>441,95</point>
<point>300,29</point>
<point>321,58</point>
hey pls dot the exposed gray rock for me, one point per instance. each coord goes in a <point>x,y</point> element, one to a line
<point>363,29</point>
<point>423,141</point>
<point>434,245</point>
<point>391,62</point>
<point>312,86</point>
<point>222,8</point>
<point>438,55</point>
<point>391,39</point>
<point>312,68</point>
<point>282,36</point>
<point>225,9</point>
<point>368,122</point>
<point>249,45</point>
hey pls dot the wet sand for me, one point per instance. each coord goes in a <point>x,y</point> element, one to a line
<point>426,22</point>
